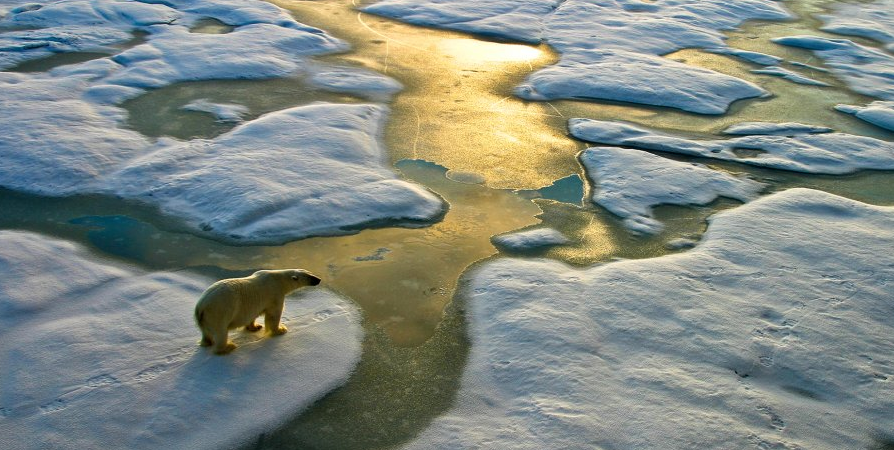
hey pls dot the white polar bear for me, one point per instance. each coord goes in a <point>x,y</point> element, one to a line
<point>237,302</point>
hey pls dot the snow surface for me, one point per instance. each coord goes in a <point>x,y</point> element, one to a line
<point>97,355</point>
<point>773,128</point>
<point>223,112</point>
<point>609,48</point>
<point>878,113</point>
<point>829,153</point>
<point>794,77</point>
<point>629,183</point>
<point>754,57</point>
<point>763,336</point>
<point>530,239</point>
<point>62,132</point>
<point>873,20</point>
<point>866,70</point>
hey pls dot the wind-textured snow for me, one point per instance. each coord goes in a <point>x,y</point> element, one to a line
<point>530,239</point>
<point>762,59</point>
<point>763,336</point>
<point>98,355</point>
<point>223,112</point>
<point>629,183</point>
<point>777,129</point>
<point>610,48</point>
<point>324,173</point>
<point>866,70</point>
<point>878,113</point>
<point>827,153</point>
<point>794,77</point>
<point>873,20</point>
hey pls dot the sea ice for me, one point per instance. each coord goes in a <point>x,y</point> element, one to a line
<point>100,355</point>
<point>754,57</point>
<point>223,112</point>
<point>866,70</point>
<point>878,113</point>
<point>794,77</point>
<point>629,183</point>
<point>309,170</point>
<point>610,48</point>
<point>530,239</point>
<point>773,128</point>
<point>828,153</point>
<point>762,336</point>
<point>873,20</point>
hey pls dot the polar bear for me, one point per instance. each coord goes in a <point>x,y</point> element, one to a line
<point>237,302</point>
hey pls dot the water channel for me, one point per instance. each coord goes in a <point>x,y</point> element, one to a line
<point>502,164</point>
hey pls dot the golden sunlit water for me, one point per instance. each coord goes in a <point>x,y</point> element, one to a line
<point>456,129</point>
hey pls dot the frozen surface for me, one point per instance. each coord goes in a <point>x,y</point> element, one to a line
<point>878,113</point>
<point>310,170</point>
<point>223,112</point>
<point>828,153</point>
<point>621,75</point>
<point>760,337</point>
<point>629,183</point>
<point>754,57</point>
<point>530,239</point>
<point>96,355</point>
<point>773,128</point>
<point>866,70</point>
<point>794,77</point>
<point>609,48</point>
<point>873,20</point>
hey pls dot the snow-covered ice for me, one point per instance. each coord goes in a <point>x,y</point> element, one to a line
<point>310,170</point>
<point>879,113</point>
<point>610,48</point>
<point>762,59</point>
<point>530,239</point>
<point>873,20</point>
<point>794,77</point>
<point>826,153</point>
<point>223,112</point>
<point>763,336</point>
<point>866,70</point>
<point>778,129</point>
<point>94,354</point>
<point>629,183</point>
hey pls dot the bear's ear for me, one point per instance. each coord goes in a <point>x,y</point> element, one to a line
<point>295,277</point>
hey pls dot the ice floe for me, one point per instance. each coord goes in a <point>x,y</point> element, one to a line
<point>866,70</point>
<point>878,113</point>
<point>763,336</point>
<point>777,129</point>
<point>530,239</point>
<point>754,57</point>
<point>610,48</point>
<point>826,153</point>
<point>223,112</point>
<point>97,355</point>
<point>629,183</point>
<point>311,170</point>
<point>873,20</point>
<point>794,77</point>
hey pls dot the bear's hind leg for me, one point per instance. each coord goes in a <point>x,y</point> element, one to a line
<point>252,326</point>
<point>206,341</point>
<point>222,344</point>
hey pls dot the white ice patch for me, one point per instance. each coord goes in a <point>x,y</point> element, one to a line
<point>776,129</point>
<point>223,112</point>
<point>760,337</point>
<point>636,78</point>
<point>828,153</point>
<point>100,356</point>
<point>878,113</point>
<point>304,171</point>
<point>629,183</point>
<point>754,57</point>
<point>873,20</point>
<point>355,81</point>
<point>530,239</point>
<point>20,46</point>
<point>794,77</point>
<point>865,70</point>
<point>609,48</point>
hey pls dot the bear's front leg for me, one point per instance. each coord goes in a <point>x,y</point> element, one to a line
<point>252,326</point>
<point>271,320</point>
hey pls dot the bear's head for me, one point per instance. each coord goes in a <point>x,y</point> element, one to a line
<point>300,278</point>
